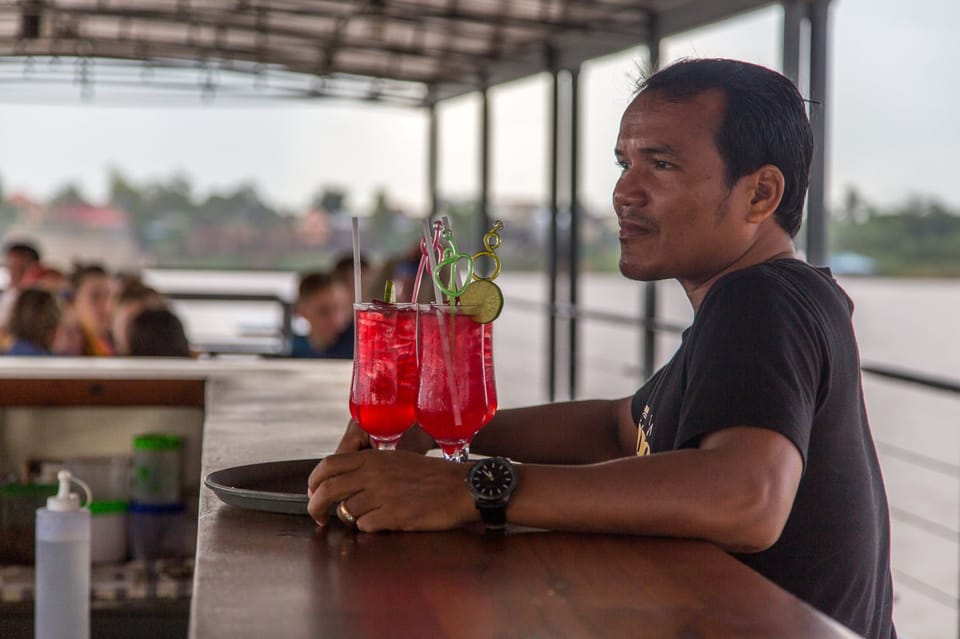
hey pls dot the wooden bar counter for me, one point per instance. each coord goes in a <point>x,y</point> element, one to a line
<point>273,576</point>
<point>262,575</point>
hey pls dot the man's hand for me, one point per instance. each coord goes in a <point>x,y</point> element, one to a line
<point>355,438</point>
<point>394,490</point>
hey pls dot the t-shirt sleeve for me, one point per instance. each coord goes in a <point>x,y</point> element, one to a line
<point>755,358</point>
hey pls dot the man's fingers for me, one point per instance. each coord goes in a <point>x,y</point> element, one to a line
<point>331,466</point>
<point>354,438</point>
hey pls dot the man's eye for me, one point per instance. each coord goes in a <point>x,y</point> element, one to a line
<point>662,164</point>
<point>623,165</point>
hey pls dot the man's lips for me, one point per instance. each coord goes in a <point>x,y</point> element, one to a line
<point>633,227</point>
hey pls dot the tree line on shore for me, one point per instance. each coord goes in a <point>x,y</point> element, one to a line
<point>172,225</point>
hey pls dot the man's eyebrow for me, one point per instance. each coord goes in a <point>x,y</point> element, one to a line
<point>663,149</point>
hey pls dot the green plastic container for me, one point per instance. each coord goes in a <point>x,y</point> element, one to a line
<point>156,468</point>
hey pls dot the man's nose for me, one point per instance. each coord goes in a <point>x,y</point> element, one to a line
<point>628,194</point>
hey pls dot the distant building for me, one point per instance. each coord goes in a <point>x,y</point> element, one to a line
<point>80,233</point>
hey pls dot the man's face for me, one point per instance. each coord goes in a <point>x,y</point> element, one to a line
<point>17,265</point>
<point>678,218</point>
<point>94,304</point>
<point>326,310</point>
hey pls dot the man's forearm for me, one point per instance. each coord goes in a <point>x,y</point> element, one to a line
<point>562,433</point>
<point>737,495</point>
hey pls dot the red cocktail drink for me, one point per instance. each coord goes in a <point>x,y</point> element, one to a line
<point>383,394</point>
<point>458,395</point>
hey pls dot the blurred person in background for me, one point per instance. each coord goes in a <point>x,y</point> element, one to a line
<point>323,301</point>
<point>69,340</point>
<point>132,297</point>
<point>94,306</point>
<point>19,258</point>
<point>157,332</point>
<point>47,277</point>
<point>33,322</point>
<point>343,270</point>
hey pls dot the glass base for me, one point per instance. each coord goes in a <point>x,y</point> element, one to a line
<point>384,444</point>
<point>457,452</point>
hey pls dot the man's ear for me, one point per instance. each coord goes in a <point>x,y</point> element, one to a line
<point>765,190</point>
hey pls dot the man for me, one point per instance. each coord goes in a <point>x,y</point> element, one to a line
<point>754,436</point>
<point>323,301</point>
<point>20,258</point>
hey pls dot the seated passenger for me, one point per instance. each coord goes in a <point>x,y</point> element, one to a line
<point>92,300</point>
<point>323,302</point>
<point>33,322</point>
<point>157,332</point>
<point>69,339</point>
<point>133,297</point>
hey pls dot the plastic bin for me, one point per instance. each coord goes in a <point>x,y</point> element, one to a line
<point>157,531</point>
<point>108,531</point>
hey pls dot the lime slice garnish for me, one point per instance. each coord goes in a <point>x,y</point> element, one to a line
<point>389,293</point>
<point>483,301</point>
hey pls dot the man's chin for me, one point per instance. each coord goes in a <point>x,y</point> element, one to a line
<point>639,273</point>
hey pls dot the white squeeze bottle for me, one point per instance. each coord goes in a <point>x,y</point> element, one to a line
<point>62,609</point>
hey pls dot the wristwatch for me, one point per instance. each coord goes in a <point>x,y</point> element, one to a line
<point>491,481</point>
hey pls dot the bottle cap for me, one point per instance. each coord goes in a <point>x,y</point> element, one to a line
<point>65,500</point>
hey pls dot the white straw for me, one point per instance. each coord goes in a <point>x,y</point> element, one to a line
<point>432,258</point>
<point>356,260</point>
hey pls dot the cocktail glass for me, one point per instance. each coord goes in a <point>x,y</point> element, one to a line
<point>383,393</point>
<point>458,394</point>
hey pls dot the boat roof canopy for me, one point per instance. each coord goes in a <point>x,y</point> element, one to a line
<point>413,52</point>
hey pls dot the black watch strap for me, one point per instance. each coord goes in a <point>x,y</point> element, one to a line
<point>493,515</point>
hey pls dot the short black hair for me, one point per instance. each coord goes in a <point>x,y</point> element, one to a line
<point>26,249</point>
<point>83,271</point>
<point>765,122</point>
<point>158,332</point>
<point>314,282</point>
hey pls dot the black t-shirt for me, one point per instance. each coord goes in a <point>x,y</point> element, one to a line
<point>773,346</point>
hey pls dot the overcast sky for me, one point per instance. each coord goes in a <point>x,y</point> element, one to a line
<point>893,125</point>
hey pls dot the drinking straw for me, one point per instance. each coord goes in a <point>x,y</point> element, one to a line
<point>356,260</point>
<point>424,244</point>
<point>432,258</point>
<point>444,343</point>
<point>456,271</point>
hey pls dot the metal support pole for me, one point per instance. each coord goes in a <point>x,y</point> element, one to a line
<point>648,343</point>
<point>433,141</point>
<point>483,215</point>
<point>793,14</point>
<point>552,270</point>
<point>574,225</point>
<point>816,199</point>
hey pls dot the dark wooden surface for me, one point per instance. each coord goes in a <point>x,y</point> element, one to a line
<point>262,575</point>
<point>284,577</point>
<point>101,392</point>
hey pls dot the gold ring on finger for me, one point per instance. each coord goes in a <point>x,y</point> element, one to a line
<point>345,515</point>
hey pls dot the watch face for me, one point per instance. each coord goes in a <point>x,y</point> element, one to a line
<point>492,479</point>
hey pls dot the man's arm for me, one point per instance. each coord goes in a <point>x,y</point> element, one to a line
<point>736,490</point>
<point>566,433</point>
<point>581,432</point>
